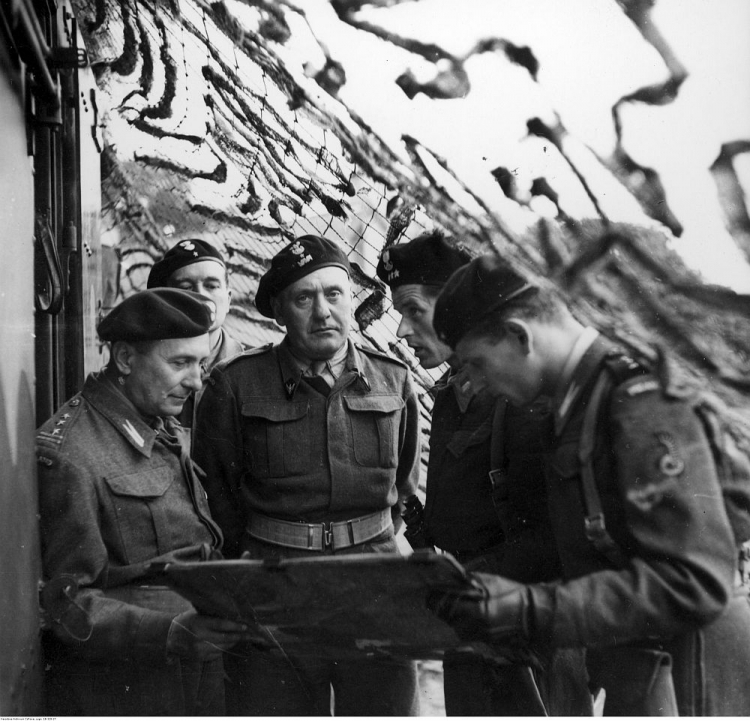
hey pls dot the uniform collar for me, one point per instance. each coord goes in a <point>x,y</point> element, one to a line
<point>291,368</point>
<point>120,412</point>
<point>227,348</point>
<point>581,365</point>
<point>458,380</point>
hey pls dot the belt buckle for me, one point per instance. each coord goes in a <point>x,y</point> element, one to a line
<point>327,535</point>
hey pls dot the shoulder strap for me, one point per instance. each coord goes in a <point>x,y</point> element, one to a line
<point>596,530</point>
<point>614,369</point>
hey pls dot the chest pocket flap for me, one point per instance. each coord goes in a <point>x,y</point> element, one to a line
<point>375,428</point>
<point>466,437</point>
<point>276,437</point>
<point>274,410</point>
<point>376,404</point>
<point>146,484</point>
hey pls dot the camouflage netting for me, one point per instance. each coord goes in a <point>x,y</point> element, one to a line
<point>216,126</point>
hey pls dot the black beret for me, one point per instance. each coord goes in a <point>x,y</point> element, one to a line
<point>186,252</point>
<point>427,260</point>
<point>473,292</point>
<point>300,258</point>
<point>158,314</point>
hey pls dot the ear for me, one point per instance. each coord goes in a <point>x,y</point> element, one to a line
<point>522,332</point>
<point>122,354</point>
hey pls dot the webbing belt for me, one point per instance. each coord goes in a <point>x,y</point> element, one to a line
<point>319,536</point>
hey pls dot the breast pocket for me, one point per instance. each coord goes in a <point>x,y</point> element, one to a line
<point>276,437</point>
<point>466,438</point>
<point>141,509</point>
<point>375,422</point>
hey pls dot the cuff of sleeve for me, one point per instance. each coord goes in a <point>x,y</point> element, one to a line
<point>151,637</point>
<point>542,601</point>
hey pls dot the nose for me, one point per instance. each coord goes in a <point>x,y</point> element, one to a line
<point>193,379</point>
<point>403,329</point>
<point>321,310</point>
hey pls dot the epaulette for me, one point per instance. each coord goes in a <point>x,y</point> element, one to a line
<point>245,354</point>
<point>52,433</point>
<point>380,354</point>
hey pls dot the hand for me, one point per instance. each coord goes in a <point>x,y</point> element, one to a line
<point>494,610</point>
<point>193,635</point>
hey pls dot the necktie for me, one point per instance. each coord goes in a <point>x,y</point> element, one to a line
<point>314,377</point>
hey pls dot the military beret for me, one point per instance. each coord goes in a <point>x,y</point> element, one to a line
<point>429,259</point>
<point>298,259</point>
<point>186,252</point>
<point>157,314</point>
<point>474,291</point>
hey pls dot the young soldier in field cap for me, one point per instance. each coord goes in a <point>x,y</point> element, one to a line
<point>309,445</point>
<point>197,266</point>
<point>116,492</point>
<point>646,546</point>
<point>507,532</point>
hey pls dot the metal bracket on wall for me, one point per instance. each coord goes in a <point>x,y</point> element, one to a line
<point>48,281</point>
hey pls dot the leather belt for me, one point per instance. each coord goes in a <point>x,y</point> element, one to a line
<point>319,536</point>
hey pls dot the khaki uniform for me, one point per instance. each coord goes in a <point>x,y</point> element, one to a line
<point>112,499</point>
<point>672,600</point>
<point>271,444</point>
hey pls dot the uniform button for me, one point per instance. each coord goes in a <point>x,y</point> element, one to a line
<point>74,402</point>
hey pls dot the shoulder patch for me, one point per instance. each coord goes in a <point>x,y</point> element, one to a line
<point>380,354</point>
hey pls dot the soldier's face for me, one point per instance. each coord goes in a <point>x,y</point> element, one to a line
<point>208,278</point>
<point>160,376</point>
<point>501,367</point>
<point>316,312</point>
<point>416,305</point>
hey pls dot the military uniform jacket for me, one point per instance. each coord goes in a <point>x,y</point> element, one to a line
<point>463,512</point>
<point>672,591</point>
<point>459,513</point>
<point>112,499</point>
<point>270,443</point>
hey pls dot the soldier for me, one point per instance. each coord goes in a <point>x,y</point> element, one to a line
<point>470,434</point>
<point>116,492</point>
<point>198,266</point>
<point>309,445</point>
<point>645,542</point>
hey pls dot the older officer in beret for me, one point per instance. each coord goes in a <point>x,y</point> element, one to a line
<point>309,445</point>
<point>198,266</point>
<point>118,491</point>
<point>475,437</point>
<point>647,549</point>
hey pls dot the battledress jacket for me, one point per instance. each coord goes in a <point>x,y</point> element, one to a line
<point>112,499</point>
<point>672,598</point>
<point>463,514</point>
<point>270,443</point>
